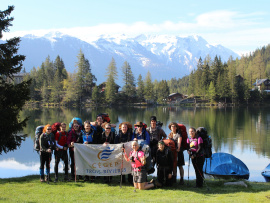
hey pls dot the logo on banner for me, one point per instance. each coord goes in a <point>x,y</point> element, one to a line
<point>104,155</point>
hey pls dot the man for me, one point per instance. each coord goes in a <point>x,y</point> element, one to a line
<point>156,134</point>
<point>61,151</point>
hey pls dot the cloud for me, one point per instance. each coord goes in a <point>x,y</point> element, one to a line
<point>232,29</point>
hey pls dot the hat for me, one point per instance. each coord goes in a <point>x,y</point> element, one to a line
<point>161,142</point>
<point>153,118</point>
<point>139,123</point>
<point>173,123</point>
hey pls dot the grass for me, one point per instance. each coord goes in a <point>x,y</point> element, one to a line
<point>30,189</point>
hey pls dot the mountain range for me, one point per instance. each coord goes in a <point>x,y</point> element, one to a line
<point>164,56</point>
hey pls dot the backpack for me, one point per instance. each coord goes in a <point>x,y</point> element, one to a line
<point>77,119</point>
<point>105,117</point>
<point>207,141</point>
<point>183,131</point>
<point>38,132</point>
<point>170,143</point>
<point>147,153</point>
<point>56,127</point>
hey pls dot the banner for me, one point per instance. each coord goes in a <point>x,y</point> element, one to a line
<point>101,160</point>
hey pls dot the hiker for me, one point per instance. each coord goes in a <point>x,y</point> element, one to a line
<point>61,151</point>
<point>107,137</point>
<point>196,154</point>
<point>74,136</point>
<point>176,137</point>
<point>47,145</point>
<point>89,137</point>
<point>124,135</point>
<point>140,133</point>
<point>156,134</point>
<point>164,161</point>
<point>138,160</point>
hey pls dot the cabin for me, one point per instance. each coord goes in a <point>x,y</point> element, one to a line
<point>262,85</point>
<point>174,97</point>
<point>16,78</point>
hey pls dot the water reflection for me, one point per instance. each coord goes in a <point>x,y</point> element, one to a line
<point>243,132</point>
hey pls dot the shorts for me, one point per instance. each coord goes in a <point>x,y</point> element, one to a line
<point>139,176</point>
<point>181,159</point>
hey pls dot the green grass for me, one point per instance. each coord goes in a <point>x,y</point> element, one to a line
<point>30,189</point>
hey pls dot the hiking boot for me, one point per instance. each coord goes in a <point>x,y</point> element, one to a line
<point>181,181</point>
<point>42,178</point>
<point>66,178</point>
<point>158,184</point>
<point>48,178</point>
<point>56,179</point>
<point>86,178</point>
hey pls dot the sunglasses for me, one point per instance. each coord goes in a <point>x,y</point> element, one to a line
<point>108,128</point>
<point>49,129</point>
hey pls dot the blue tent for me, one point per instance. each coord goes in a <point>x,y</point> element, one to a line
<point>266,173</point>
<point>223,165</point>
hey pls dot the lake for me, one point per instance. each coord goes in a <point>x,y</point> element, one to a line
<point>242,132</point>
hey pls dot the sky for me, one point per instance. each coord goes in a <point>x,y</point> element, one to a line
<point>242,26</point>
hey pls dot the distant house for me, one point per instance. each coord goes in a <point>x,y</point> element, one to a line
<point>262,84</point>
<point>102,87</point>
<point>16,78</point>
<point>175,97</point>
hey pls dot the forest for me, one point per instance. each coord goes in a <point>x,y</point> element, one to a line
<point>213,81</point>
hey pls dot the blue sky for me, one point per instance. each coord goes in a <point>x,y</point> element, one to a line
<point>242,26</point>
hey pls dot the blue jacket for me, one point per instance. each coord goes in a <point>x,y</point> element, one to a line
<point>145,136</point>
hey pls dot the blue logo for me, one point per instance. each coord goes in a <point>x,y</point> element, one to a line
<point>104,154</point>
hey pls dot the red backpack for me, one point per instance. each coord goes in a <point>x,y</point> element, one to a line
<point>183,131</point>
<point>170,143</point>
<point>56,127</point>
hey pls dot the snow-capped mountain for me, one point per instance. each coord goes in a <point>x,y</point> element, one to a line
<point>164,56</point>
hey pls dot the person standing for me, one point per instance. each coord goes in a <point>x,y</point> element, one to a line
<point>156,134</point>
<point>61,151</point>
<point>176,137</point>
<point>140,133</point>
<point>124,135</point>
<point>196,154</point>
<point>107,137</point>
<point>47,145</point>
<point>74,136</point>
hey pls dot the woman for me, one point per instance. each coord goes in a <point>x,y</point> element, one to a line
<point>89,137</point>
<point>107,137</point>
<point>74,136</point>
<point>47,145</point>
<point>176,137</point>
<point>195,153</point>
<point>138,160</point>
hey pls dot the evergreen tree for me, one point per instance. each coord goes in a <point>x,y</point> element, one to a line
<point>211,92</point>
<point>162,92</point>
<point>95,95</point>
<point>71,89</point>
<point>111,87</point>
<point>12,96</point>
<point>129,87</point>
<point>149,89</point>
<point>85,79</point>
<point>140,89</point>
<point>59,76</point>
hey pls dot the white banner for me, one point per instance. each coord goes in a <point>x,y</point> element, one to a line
<point>100,160</point>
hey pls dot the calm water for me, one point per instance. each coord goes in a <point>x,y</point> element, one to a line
<point>242,132</point>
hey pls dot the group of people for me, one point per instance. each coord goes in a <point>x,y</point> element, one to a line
<point>166,151</point>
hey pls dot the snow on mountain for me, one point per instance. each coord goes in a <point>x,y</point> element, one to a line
<point>164,56</point>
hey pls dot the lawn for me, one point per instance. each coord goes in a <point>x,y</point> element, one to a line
<point>30,189</point>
